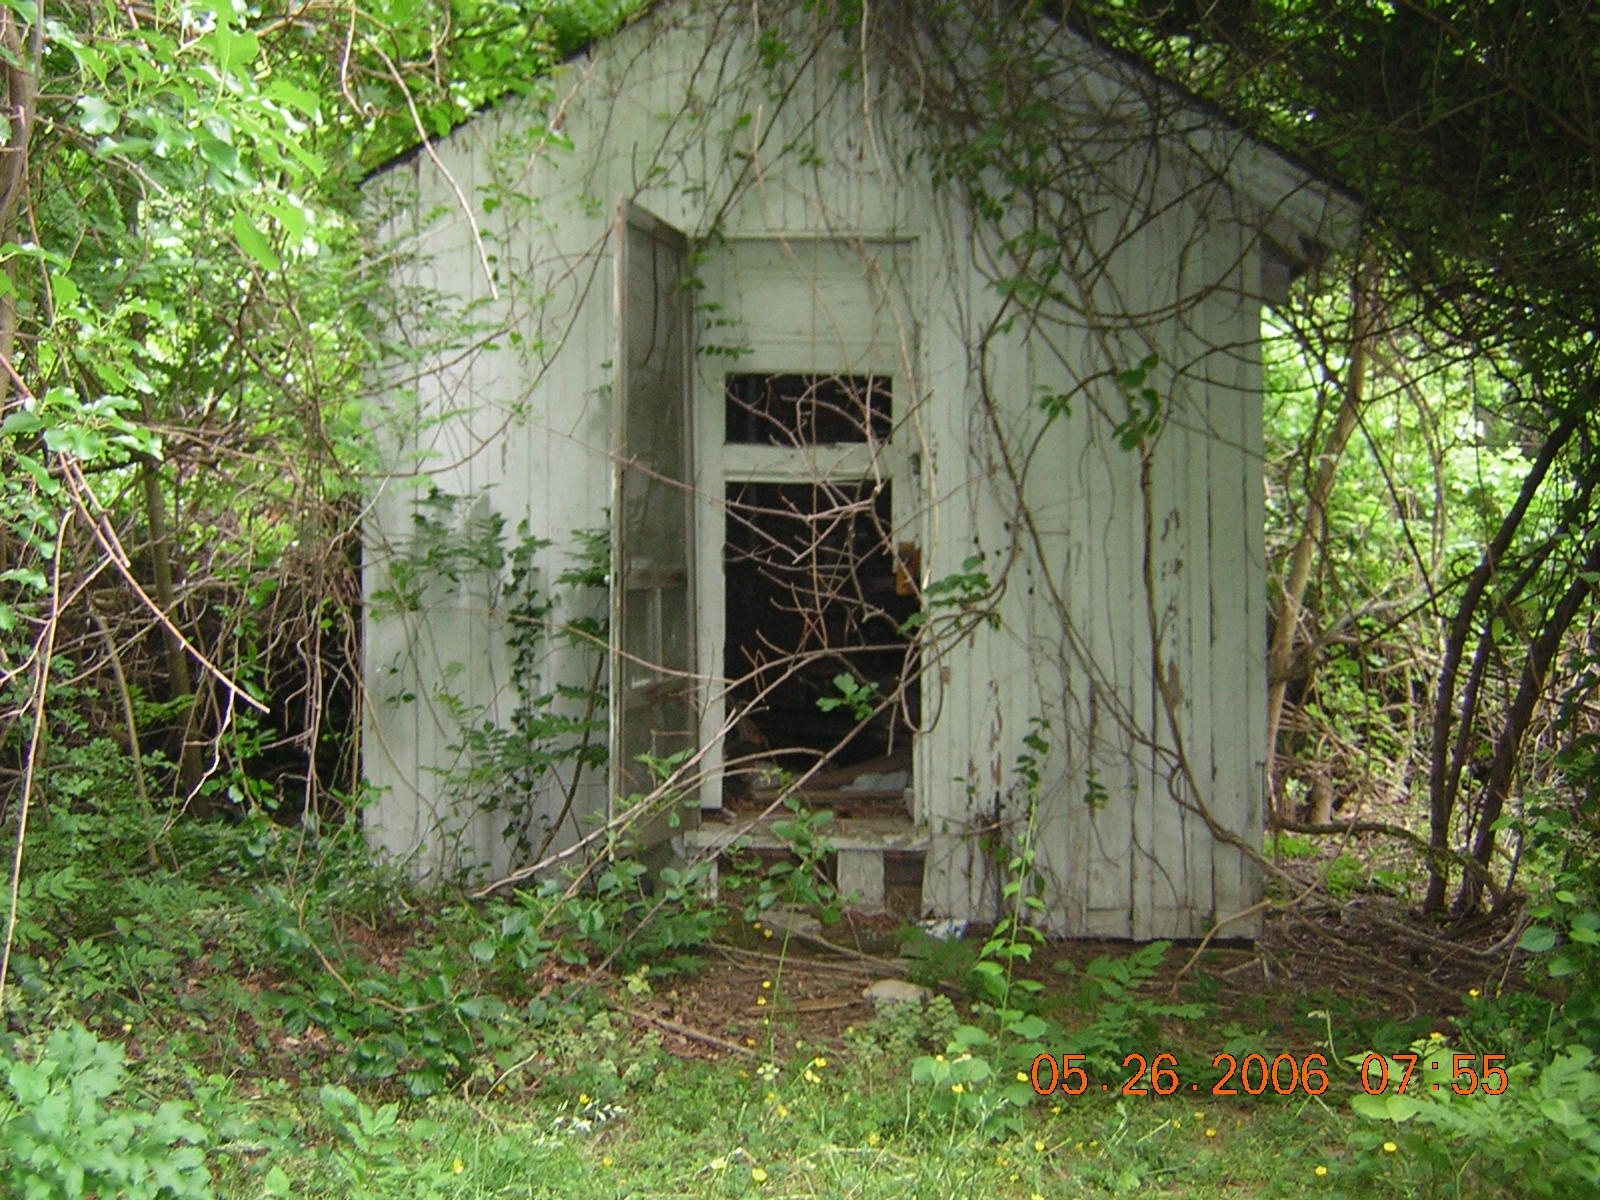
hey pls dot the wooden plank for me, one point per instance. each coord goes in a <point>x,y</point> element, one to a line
<point>1240,643</point>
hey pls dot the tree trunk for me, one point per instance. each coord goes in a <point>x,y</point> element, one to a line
<point>18,65</point>
<point>1444,775</point>
<point>1508,747</point>
<point>1280,657</point>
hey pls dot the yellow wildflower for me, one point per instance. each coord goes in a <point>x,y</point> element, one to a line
<point>458,1166</point>
<point>1390,1147</point>
<point>1211,1133</point>
<point>958,1088</point>
<point>1321,1171</point>
<point>758,1174</point>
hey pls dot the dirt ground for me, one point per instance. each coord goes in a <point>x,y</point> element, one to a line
<point>1381,960</point>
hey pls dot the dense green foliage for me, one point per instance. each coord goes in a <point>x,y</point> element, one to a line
<point>189,321</point>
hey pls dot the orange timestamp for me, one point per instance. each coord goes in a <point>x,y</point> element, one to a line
<point>1254,1074</point>
<point>1469,1073</point>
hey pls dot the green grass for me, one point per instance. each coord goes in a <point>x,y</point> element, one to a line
<point>323,1031</point>
<point>703,1130</point>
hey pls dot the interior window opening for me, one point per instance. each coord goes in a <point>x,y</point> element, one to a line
<point>807,410</point>
<point>823,675</point>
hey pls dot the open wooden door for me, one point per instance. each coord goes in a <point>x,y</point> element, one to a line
<point>653,708</point>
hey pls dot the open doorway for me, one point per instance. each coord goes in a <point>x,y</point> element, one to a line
<point>817,595</point>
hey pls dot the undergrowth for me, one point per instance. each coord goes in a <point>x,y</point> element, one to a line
<point>261,1010</point>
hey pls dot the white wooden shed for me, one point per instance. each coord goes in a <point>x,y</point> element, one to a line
<point>933,493</point>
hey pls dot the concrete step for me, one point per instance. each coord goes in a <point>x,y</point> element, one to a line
<point>859,844</point>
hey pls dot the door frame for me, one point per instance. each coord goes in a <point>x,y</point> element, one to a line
<point>719,464</point>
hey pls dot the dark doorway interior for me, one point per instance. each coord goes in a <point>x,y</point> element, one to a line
<point>815,591</point>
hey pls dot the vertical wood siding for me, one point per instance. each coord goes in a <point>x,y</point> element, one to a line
<point>521,431</point>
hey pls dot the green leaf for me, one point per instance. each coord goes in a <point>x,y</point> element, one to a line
<point>97,117</point>
<point>255,243</point>
<point>1391,1106</point>
<point>291,96</point>
<point>1030,1027</point>
<point>233,49</point>
<point>1536,939</point>
<point>41,476</point>
<point>1561,1111</point>
<point>21,422</point>
<point>1564,964</point>
<point>966,1037</point>
<point>223,159</point>
<point>63,289</point>
<point>1585,928</point>
<point>291,216</point>
<point>26,576</point>
<point>86,445</point>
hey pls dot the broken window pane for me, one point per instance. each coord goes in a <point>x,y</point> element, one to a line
<point>807,410</point>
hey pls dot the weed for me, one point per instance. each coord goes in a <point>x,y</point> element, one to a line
<point>933,960</point>
<point>859,697</point>
<point>68,1127</point>
<point>1533,1130</point>
<point>1121,1019</point>
<point>902,1030</point>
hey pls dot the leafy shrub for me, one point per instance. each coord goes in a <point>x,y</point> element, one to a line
<point>1120,1019</point>
<point>1562,843</point>
<point>1538,1137</point>
<point>68,1130</point>
<point>901,1030</point>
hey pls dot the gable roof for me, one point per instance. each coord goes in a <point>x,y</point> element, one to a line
<point>1304,215</point>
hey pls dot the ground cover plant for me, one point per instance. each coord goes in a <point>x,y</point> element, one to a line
<point>268,1012</point>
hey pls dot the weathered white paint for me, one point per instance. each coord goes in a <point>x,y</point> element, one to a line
<point>848,259</point>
